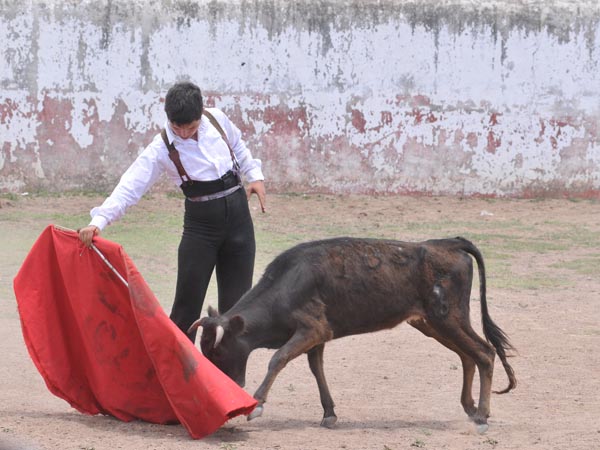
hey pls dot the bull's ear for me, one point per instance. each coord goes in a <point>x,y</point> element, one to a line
<point>236,325</point>
<point>212,312</point>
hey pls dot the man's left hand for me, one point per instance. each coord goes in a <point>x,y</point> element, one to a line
<point>258,188</point>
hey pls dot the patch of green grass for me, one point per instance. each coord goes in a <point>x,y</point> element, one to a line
<point>577,235</point>
<point>447,227</point>
<point>591,332</point>
<point>583,266</point>
<point>272,243</point>
<point>150,235</point>
<point>174,194</point>
<point>42,219</point>
<point>228,446</point>
<point>515,243</point>
<point>491,253</point>
<point>537,281</point>
<point>10,196</point>
<point>499,275</point>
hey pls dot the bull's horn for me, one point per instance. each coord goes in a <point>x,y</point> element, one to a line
<point>218,335</point>
<point>193,326</point>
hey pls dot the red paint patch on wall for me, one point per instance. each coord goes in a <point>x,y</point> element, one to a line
<point>416,113</point>
<point>286,121</point>
<point>414,101</point>
<point>358,120</point>
<point>472,140</point>
<point>57,148</point>
<point>561,123</point>
<point>493,142</point>
<point>494,119</point>
<point>386,118</point>
<point>540,138</point>
<point>421,100</point>
<point>385,121</point>
<point>285,138</point>
<point>7,111</point>
<point>421,117</point>
<point>55,116</point>
<point>458,137</point>
<point>558,189</point>
<point>443,137</point>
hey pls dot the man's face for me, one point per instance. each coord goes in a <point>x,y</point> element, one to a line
<point>186,130</point>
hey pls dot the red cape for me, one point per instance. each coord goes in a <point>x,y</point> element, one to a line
<point>109,348</point>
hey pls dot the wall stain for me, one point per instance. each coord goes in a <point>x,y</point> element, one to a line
<point>410,137</point>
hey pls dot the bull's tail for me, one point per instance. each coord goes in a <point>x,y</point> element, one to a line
<point>492,332</point>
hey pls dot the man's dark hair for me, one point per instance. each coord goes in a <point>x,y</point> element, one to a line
<point>183,103</point>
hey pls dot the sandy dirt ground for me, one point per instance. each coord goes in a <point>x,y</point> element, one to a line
<point>394,389</point>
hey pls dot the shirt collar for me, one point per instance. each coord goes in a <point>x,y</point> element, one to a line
<point>171,136</point>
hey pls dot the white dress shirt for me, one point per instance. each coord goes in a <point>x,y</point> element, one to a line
<point>206,159</point>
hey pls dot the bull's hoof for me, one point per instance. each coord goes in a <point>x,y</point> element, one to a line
<point>329,422</point>
<point>256,413</point>
<point>481,428</point>
<point>481,425</point>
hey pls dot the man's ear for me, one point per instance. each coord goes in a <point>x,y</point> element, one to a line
<point>212,312</point>
<point>237,325</point>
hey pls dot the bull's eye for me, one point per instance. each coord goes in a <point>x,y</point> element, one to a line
<point>209,351</point>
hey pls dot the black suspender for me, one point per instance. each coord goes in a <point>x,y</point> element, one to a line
<point>174,154</point>
<point>217,125</point>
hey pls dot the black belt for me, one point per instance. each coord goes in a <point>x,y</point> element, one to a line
<point>216,195</point>
<point>195,188</point>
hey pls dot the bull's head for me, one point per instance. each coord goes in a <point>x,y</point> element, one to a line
<point>221,342</point>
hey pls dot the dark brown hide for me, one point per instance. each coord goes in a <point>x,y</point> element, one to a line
<point>323,290</point>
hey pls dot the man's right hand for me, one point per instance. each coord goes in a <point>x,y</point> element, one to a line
<point>86,234</point>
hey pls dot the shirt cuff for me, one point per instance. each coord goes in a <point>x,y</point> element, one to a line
<point>99,221</point>
<point>254,175</point>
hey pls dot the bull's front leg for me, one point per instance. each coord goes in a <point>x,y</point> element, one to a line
<point>315,361</point>
<point>299,343</point>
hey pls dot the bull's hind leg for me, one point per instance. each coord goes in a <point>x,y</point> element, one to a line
<point>301,342</point>
<point>315,361</point>
<point>468,365</point>
<point>460,334</point>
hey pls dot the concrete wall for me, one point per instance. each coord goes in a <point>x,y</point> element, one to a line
<point>498,98</point>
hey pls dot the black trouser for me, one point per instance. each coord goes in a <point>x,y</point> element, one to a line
<point>216,234</point>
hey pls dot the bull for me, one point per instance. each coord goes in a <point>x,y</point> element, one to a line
<point>323,290</point>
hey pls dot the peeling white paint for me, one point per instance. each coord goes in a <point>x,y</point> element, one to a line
<point>469,104</point>
<point>18,128</point>
<point>80,129</point>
